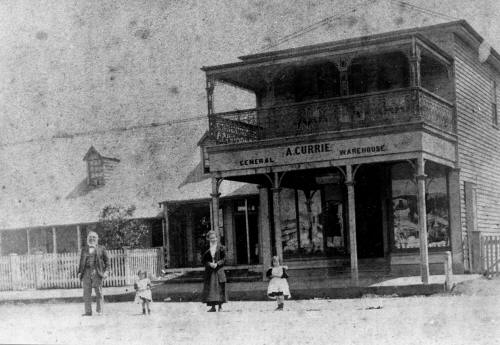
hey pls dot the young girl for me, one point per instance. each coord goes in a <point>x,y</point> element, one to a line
<point>143,291</point>
<point>278,286</point>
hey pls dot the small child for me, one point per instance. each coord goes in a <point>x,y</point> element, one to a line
<point>278,286</point>
<point>143,291</point>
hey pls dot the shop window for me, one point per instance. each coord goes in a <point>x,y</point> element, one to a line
<point>405,207</point>
<point>311,226</point>
<point>437,205</point>
<point>289,234</point>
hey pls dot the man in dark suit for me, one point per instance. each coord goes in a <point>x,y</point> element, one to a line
<point>93,269</point>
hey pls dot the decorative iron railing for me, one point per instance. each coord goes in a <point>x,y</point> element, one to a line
<point>334,114</point>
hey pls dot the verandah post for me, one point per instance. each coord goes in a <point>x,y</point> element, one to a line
<point>189,236</point>
<point>166,236</point>
<point>54,240</point>
<point>215,205</point>
<point>277,216</point>
<point>448,270</point>
<point>78,239</point>
<point>422,221</point>
<point>264,227</point>
<point>351,208</point>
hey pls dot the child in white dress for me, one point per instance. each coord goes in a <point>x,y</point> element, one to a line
<point>143,291</point>
<point>278,286</point>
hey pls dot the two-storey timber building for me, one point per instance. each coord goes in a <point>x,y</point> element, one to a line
<point>379,150</point>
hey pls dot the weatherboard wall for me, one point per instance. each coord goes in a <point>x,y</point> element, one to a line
<point>478,137</point>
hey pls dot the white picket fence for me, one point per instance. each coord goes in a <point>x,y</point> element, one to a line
<point>46,271</point>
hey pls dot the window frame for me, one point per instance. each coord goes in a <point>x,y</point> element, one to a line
<point>392,240</point>
<point>95,170</point>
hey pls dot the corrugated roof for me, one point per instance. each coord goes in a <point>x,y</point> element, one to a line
<point>44,182</point>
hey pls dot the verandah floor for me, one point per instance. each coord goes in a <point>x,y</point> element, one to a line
<point>300,289</point>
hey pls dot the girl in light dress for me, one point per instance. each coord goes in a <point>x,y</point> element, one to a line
<point>143,291</point>
<point>278,286</point>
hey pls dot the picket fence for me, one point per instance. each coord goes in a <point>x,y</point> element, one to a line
<point>46,271</point>
<point>490,254</point>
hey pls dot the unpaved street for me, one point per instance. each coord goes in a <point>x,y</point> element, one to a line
<point>414,320</point>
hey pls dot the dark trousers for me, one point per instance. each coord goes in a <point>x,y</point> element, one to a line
<point>92,280</point>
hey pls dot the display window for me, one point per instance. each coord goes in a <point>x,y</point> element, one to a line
<point>313,222</point>
<point>405,206</point>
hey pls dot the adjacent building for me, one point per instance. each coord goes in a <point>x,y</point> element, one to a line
<point>53,190</point>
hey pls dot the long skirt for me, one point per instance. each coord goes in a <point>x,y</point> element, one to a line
<point>214,292</point>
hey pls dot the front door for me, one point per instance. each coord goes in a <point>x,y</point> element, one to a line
<point>369,185</point>
<point>246,231</point>
<point>334,220</point>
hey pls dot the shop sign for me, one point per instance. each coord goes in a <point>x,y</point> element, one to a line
<point>313,152</point>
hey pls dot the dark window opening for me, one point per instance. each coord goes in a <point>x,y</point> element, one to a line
<point>378,73</point>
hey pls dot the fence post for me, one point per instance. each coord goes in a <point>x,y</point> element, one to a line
<point>161,261</point>
<point>126,260</point>
<point>15,271</point>
<point>448,271</point>
<point>38,270</point>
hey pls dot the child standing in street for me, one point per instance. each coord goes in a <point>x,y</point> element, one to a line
<point>278,286</point>
<point>143,291</point>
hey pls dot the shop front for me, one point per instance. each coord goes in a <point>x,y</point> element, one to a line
<point>353,202</point>
<point>354,146</point>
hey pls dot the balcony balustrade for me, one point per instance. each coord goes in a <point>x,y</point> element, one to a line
<point>401,106</point>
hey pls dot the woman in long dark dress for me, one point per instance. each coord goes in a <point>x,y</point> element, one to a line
<point>214,286</point>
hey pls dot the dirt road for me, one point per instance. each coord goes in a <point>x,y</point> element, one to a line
<point>414,320</point>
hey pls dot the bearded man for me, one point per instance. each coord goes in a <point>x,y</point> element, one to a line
<point>93,269</point>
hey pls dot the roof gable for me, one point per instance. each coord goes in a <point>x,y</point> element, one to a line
<point>91,152</point>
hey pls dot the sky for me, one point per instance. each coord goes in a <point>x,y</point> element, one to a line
<point>82,66</point>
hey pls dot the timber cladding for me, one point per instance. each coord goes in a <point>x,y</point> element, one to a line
<point>478,138</point>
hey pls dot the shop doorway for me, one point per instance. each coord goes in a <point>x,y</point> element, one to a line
<point>246,231</point>
<point>178,252</point>
<point>370,187</point>
<point>334,220</point>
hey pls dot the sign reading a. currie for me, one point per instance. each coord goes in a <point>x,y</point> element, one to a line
<point>330,150</point>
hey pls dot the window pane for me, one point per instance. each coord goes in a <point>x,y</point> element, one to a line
<point>438,228</point>
<point>311,229</point>
<point>405,210</point>
<point>404,206</point>
<point>288,222</point>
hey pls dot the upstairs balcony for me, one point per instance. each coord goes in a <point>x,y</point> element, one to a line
<point>371,82</point>
<point>401,106</point>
